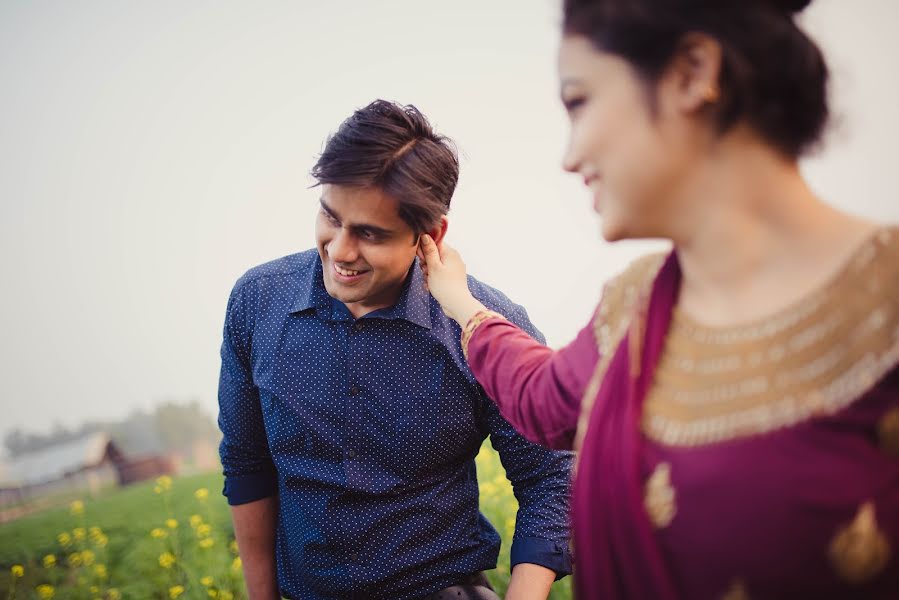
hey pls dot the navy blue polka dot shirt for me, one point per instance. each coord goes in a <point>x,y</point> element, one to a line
<point>367,430</point>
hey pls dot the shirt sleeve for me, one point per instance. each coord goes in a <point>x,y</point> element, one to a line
<point>541,481</point>
<point>538,390</point>
<point>246,460</point>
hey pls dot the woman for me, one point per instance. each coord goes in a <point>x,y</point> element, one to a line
<point>735,404</point>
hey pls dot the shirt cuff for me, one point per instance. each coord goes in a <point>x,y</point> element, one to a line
<point>551,554</point>
<point>240,489</point>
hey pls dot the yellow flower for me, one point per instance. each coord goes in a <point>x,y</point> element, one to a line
<point>100,571</point>
<point>101,541</point>
<point>94,531</point>
<point>46,591</point>
<point>158,533</point>
<point>76,508</point>
<point>17,571</point>
<point>87,557</point>
<point>236,565</point>
<point>206,581</point>
<point>166,560</point>
<point>204,530</point>
<point>75,559</point>
<point>226,595</point>
<point>157,489</point>
<point>201,494</point>
<point>164,482</point>
<point>49,561</point>
<point>78,533</point>
<point>175,591</point>
<point>171,523</point>
<point>114,594</point>
<point>196,521</point>
<point>233,546</point>
<point>94,590</point>
<point>213,593</point>
<point>64,539</point>
<point>206,543</point>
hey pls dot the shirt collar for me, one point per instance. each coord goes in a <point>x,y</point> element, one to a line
<point>413,305</point>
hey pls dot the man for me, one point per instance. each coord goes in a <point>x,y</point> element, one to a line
<point>350,418</point>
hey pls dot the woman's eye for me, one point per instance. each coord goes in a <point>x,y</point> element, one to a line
<point>572,104</point>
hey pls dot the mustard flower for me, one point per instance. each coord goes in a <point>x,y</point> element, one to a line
<point>166,560</point>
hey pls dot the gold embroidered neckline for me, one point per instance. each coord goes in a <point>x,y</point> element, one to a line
<point>813,358</point>
<point>795,311</point>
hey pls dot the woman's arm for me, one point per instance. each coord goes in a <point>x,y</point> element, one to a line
<point>537,390</point>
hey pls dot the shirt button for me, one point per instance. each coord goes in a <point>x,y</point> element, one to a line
<point>351,453</point>
<point>359,326</point>
<point>354,390</point>
<point>354,557</point>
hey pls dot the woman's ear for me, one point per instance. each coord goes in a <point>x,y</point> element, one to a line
<point>692,78</point>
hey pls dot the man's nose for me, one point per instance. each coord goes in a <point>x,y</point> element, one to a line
<point>343,248</point>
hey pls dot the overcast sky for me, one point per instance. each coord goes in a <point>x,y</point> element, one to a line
<point>152,152</point>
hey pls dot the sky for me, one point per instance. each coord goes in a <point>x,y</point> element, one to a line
<point>153,152</point>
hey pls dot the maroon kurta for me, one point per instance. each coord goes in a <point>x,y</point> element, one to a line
<point>807,509</point>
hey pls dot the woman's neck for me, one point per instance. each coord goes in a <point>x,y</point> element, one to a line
<point>754,238</point>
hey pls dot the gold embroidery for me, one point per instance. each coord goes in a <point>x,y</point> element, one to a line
<point>860,551</point>
<point>888,431</point>
<point>612,320</point>
<point>473,323</point>
<point>659,496</point>
<point>815,359</point>
<point>737,591</point>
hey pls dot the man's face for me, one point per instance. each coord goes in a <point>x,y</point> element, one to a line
<point>365,247</point>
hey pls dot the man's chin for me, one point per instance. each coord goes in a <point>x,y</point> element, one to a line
<point>339,294</point>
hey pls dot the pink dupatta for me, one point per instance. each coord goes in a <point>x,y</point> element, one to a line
<point>617,552</point>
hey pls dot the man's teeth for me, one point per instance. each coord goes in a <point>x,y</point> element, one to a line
<point>346,272</point>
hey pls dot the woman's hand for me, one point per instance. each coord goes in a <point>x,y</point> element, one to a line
<point>447,280</point>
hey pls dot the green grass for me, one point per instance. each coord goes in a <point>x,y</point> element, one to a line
<point>130,554</point>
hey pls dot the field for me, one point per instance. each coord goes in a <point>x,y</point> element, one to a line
<point>170,539</point>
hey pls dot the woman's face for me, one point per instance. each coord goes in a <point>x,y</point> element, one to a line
<point>632,158</point>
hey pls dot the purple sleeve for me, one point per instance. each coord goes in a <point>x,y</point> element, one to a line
<point>538,390</point>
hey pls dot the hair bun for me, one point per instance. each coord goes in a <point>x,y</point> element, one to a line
<point>792,6</point>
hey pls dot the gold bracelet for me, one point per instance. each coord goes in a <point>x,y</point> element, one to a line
<point>473,323</point>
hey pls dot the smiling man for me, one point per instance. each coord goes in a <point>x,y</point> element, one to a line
<point>350,418</point>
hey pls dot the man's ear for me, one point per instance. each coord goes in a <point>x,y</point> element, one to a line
<point>438,232</point>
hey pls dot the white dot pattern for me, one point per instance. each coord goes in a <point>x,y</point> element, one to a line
<point>367,429</point>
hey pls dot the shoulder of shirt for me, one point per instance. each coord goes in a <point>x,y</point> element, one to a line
<point>492,298</point>
<point>286,266</point>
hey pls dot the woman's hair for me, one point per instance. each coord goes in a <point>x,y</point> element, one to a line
<point>773,75</point>
<point>394,148</point>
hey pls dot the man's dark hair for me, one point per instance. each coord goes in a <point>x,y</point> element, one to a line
<point>773,78</point>
<point>394,148</point>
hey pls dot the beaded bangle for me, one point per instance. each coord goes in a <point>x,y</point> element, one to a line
<point>473,323</point>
